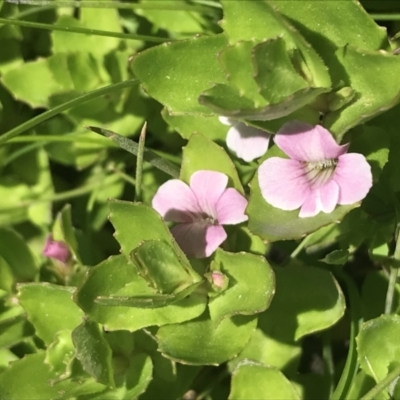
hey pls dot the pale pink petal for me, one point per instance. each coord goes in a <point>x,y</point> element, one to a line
<point>354,177</point>
<point>304,142</point>
<point>230,208</point>
<point>312,205</point>
<point>247,142</point>
<point>208,187</point>
<point>226,121</point>
<point>176,202</point>
<point>215,236</point>
<point>198,239</point>
<point>329,196</point>
<point>283,183</point>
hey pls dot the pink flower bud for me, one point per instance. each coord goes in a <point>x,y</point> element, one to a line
<point>56,249</point>
<point>218,279</point>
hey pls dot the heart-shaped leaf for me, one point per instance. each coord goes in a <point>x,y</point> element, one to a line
<point>307,300</point>
<point>251,285</point>
<point>203,342</point>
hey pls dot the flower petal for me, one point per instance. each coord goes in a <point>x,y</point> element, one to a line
<point>230,208</point>
<point>329,196</point>
<point>304,142</point>
<point>312,205</point>
<point>226,120</point>
<point>354,177</point>
<point>247,142</point>
<point>198,239</point>
<point>208,187</point>
<point>175,201</point>
<point>283,183</point>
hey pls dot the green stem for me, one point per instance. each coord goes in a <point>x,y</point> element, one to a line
<point>20,152</point>
<point>139,163</point>
<point>132,147</point>
<point>328,359</point>
<point>63,107</point>
<point>394,271</point>
<point>299,248</point>
<point>74,137</point>
<point>85,31</point>
<point>32,10</point>
<point>391,289</point>
<point>351,366</point>
<point>126,177</point>
<point>382,385</point>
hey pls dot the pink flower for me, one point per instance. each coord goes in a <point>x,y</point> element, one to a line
<point>57,250</point>
<point>200,210</point>
<point>247,142</point>
<point>319,174</point>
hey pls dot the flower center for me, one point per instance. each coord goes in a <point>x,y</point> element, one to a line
<point>206,219</point>
<point>320,172</point>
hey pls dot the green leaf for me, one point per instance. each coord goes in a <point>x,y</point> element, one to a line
<point>177,73</point>
<point>32,82</point>
<point>16,253</point>
<point>84,71</point>
<point>259,21</point>
<point>252,380</point>
<point>202,342</point>
<point>251,285</point>
<point>186,125</point>
<point>135,223</point>
<point>35,375</point>
<point>377,356</point>
<point>50,308</point>
<point>104,19</point>
<point>163,269</point>
<point>69,42</point>
<point>40,382</point>
<point>273,224</point>
<point>93,351</point>
<point>336,257</point>
<point>202,153</point>
<point>132,147</point>
<point>362,384</point>
<point>324,28</point>
<point>270,351</point>
<point>115,277</point>
<point>63,229</point>
<point>61,354</point>
<point>149,301</point>
<point>247,241</point>
<point>14,330</point>
<point>374,76</point>
<point>275,73</point>
<point>132,381</point>
<point>253,20</point>
<point>242,78</point>
<point>171,20</point>
<point>307,300</point>
<point>373,142</point>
